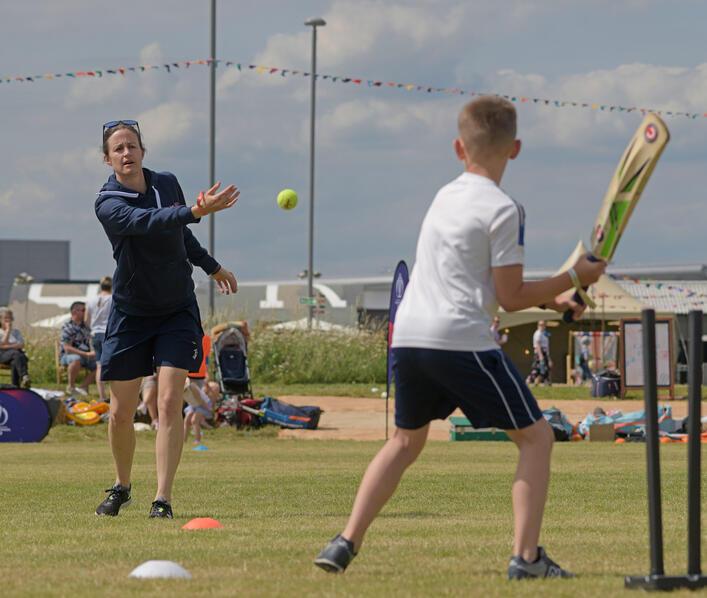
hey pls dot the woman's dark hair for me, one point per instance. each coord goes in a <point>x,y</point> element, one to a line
<point>108,132</point>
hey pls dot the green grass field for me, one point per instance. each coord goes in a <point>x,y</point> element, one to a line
<point>446,532</point>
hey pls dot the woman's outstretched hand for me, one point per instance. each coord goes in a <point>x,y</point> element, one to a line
<point>213,200</point>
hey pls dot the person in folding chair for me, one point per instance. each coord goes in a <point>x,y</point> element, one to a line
<point>154,323</point>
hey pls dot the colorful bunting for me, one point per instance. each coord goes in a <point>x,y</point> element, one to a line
<point>267,70</point>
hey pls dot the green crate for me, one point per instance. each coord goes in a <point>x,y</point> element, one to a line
<point>461,429</point>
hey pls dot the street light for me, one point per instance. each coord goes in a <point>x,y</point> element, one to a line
<point>313,23</point>
<point>212,147</point>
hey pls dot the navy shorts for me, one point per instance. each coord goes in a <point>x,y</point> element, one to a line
<point>136,346</point>
<point>485,385</point>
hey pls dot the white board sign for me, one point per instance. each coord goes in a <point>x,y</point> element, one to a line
<point>633,353</point>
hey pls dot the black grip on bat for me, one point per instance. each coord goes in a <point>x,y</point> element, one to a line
<point>567,316</point>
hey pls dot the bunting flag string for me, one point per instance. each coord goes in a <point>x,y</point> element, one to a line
<point>169,67</point>
<point>661,286</point>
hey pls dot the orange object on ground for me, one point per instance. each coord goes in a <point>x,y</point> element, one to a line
<point>202,523</point>
<point>620,441</point>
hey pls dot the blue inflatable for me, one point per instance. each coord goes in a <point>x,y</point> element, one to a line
<point>24,416</point>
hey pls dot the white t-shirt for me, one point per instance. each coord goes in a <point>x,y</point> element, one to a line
<point>541,338</point>
<point>470,227</point>
<point>98,310</point>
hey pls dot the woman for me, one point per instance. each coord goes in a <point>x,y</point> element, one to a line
<point>96,318</point>
<point>11,353</point>
<point>154,324</point>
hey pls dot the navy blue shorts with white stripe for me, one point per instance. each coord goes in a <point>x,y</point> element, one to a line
<point>485,385</point>
<point>135,346</point>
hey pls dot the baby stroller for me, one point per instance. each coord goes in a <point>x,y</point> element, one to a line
<point>237,406</point>
<point>230,347</point>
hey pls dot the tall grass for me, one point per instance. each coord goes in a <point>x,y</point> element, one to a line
<point>304,357</point>
<point>40,348</point>
<point>281,357</point>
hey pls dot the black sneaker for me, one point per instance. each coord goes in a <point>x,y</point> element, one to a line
<point>336,555</point>
<point>118,496</point>
<point>543,566</point>
<point>161,510</point>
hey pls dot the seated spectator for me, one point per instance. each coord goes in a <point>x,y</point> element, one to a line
<point>11,353</point>
<point>76,350</point>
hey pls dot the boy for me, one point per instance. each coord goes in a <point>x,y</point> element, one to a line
<point>469,259</point>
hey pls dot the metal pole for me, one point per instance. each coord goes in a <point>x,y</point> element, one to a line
<point>314,23</point>
<point>212,147</point>
<point>650,394</point>
<point>694,448</point>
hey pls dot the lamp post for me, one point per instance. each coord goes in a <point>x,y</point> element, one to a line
<point>313,23</point>
<point>212,147</point>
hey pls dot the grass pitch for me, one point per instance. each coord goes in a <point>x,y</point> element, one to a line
<point>446,532</point>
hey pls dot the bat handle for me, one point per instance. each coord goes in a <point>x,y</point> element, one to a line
<point>577,297</point>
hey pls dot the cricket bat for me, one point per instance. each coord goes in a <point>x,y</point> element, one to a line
<point>627,184</point>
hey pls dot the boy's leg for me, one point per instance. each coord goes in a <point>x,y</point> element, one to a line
<point>530,485</point>
<point>187,425</point>
<point>196,426</point>
<point>379,482</point>
<point>121,433</point>
<point>170,392</point>
<point>381,479</point>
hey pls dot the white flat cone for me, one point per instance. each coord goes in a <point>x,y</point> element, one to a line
<point>160,569</point>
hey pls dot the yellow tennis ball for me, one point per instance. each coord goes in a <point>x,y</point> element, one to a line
<point>287,199</point>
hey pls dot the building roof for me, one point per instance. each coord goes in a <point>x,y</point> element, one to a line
<point>676,296</point>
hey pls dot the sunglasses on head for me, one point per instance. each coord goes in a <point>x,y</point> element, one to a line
<point>114,123</point>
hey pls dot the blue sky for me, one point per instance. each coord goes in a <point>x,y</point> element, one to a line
<point>382,153</point>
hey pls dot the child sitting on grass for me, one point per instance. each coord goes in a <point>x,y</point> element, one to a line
<point>199,409</point>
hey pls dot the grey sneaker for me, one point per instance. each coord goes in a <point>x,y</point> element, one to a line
<point>118,496</point>
<point>543,566</point>
<point>336,555</point>
<point>161,509</point>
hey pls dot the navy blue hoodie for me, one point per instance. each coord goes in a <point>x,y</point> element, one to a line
<point>152,246</point>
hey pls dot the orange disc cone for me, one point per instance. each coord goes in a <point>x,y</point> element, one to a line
<point>202,523</point>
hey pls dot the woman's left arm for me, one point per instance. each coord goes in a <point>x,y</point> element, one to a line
<point>198,256</point>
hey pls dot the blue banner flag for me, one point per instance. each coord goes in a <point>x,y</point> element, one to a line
<point>24,416</point>
<point>400,281</point>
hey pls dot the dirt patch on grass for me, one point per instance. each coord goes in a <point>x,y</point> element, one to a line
<point>348,418</point>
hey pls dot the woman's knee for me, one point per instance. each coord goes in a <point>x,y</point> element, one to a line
<point>121,414</point>
<point>169,405</point>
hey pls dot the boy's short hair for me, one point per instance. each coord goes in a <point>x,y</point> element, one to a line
<point>106,283</point>
<point>76,304</point>
<point>487,125</point>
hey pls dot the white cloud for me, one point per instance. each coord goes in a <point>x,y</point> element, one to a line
<point>629,85</point>
<point>354,29</point>
<point>166,124</point>
<point>93,91</point>
<point>24,196</point>
<point>230,78</point>
<point>395,123</point>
